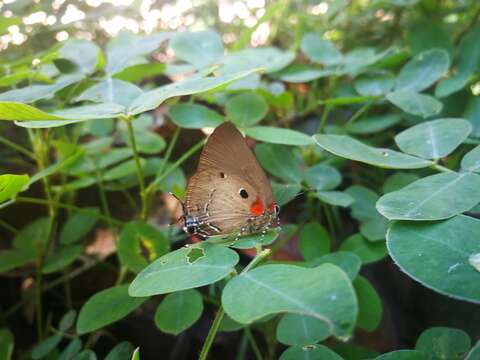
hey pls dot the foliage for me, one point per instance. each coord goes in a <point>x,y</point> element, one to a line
<point>366,116</point>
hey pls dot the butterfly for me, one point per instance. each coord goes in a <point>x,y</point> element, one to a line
<point>229,193</point>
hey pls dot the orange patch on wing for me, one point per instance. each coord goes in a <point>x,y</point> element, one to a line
<point>257,208</point>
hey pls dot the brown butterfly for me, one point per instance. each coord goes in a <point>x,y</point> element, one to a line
<point>229,193</point>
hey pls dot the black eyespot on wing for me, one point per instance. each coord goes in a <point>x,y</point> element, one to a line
<point>243,193</point>
<point>222,175</point>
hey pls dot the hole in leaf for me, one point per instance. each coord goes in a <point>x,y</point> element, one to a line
<point>194,254</point>
<point>147,248</point>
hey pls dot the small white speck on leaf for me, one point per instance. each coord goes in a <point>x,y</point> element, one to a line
<point>474,260</point>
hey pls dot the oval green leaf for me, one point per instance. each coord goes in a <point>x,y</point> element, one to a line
<point>367,251</point>
<point>297,329</point>
<point>317,352</point>
<point>434,197</point>
<point>414,103</point>
<point>471,160</point>
<point>178,311</point>
<point>246,109</point>
<point>369,304</point>
<point>185,268</point>
<point>443,343</point>
<point>194,116</point>
<point>436,254</point>
<point>106,307</point>
<point>323,292</point>
<point>434,139</point>
<point>278,135</point>
<point>350,148</point>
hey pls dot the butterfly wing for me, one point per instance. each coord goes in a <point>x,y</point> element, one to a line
<point>226,167</point>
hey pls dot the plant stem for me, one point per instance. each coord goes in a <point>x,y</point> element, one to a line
<point>441,168</point>
<point>168,154</point>
<point>140,176</point>
<point>175,165</point>
<point>212,333</point>
<point>324,118</point>
<point>68,207</point>
<point>17,147</point>
<point>219,316</point>
<point>359,112</point>
<point>7,226</point>
<point>254,345</point>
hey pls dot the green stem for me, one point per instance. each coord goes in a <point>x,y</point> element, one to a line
<point>441,168</point>
<point>212,333</point>
<point>17,147</point>
<point>175,165</point>
<point>7,226</point>
<point>331,225</point>
<point>253,343</point>
<point>324,118</point>
<point>168,154</point>
<point>219,316</point>
<point>140,176</point>
<point>68,207</point>
<point>359,112</point>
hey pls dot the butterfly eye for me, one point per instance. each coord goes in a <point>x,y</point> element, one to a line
<point>243,193</point>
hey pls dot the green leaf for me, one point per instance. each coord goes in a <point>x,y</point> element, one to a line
<point>437,254</point>
<point>246,109</point>
<point>301,73</point>
<point>194,116</point>
<point>67,321</point>
<point>111,91</point>
<point>178,311</point>
<point>472,114</point>
<point>471,160</point>
<point>100,159</point>
<point>34,93</point>
<point>415,103</point>
<point>443,343</point>
<point>106,307</point>
<point>140,244</point>
<point>269,58</point>
<point>323,177</point>
<point>147,142</point>
<point>314,241</point>
<point>11,185</point>
<point>193,85</point>
<point>185,268</point>
<point>474,352</point>
<point>349,262</point>
<point>354,352</point>
<point>6,22</point>
<point>423,70</point>
<point>319,50</point>
<point>126,47</point>
<point>373,124</point>
<point>374,84</point>
<point>200,48</point>
<point>434,139</point>
<point>56,167</point>
<point>71,350</point>
<point>284,193</point>
<point>282,161</point>
<point>12,259</point>
<point>426,32</point>
<point>369,304</point>
<point>124,169</point>
<point>23,112</point>
<point>316,352</point>
<point>397,181</point>
<point>468,60</point>
<point>138,72</point>
<point>434,197</point>
<point>34,236</point>
<point>363,208</point>
<point>78,226</point>
<point>367,251</point>
<point>86,355</point>
<point>374,230</point>
<point>83,53</point>
<point>296,329</point>
<point>122,351</point>
<point>45,347</point>
<point>402,355</point>
<point>6,344</point>
<point>350,148</point>
<point>324,292</point>
<point>335,198</point>
<point>251,241</point>
<point>278,135</point>
<point>62,258</point>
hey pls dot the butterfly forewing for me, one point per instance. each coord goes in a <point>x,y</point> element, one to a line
<point>227,183</point>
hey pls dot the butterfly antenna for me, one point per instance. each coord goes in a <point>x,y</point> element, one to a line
<point>183,209</point>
